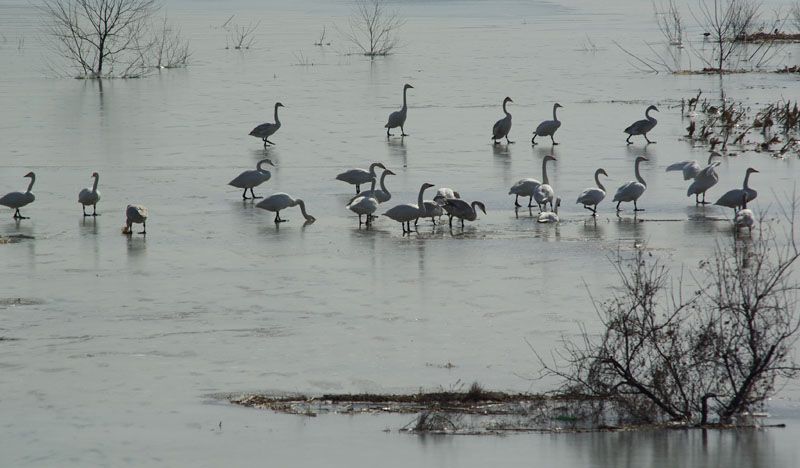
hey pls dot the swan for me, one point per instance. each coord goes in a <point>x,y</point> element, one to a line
<point>408,212</point>
<point>457,208</point>
<point>382,194</point>
<point>278,201</point>
<point>432,209</point>
<point>745,216</point>
<point>544,193</point>
<point>550,216</point>
<point>548,127</point>
<point>17,200</point>
<point>592,196</point>
<point>524,188</point>
<point>690,168</point>
<point>502,126</point>
<point>90,196</point>
<point>254,178</point>
<point>398,118</point>
<point>359,176</point>
<point>444,194</point>
<point>641,127</point>
<point>363,205</point>
<point>633,189</point>
<point>266,130</point>
<point>135,214</point>
<point>733,198</point>
<point>704,180</point>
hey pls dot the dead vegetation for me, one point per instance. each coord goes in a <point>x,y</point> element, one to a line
<point>373,28</point>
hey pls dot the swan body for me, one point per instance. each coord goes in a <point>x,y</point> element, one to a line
<point>502,126</point>
<point>279,201</point>
<point>363,205</point>
<point>135,214</point>
<point>266,130</point>
<point>631,191</point>
<point>432,209</point>
<point>642,127</point>
<point>704,180</point>
<point>16,200</point>
<point>544,193</point>
<point>398,118</point>
<point>408,212</point>
<point>592,196</point>
<point>524,188</point>
<point>359,176</point>
<point>550,216</point>
<point>548,127</point>
<point>90,196</point>
<point>253,178</point>
<point>457,208</point>
<point>745,218</point>
<point>690,169</point>
<point>382,195</point>
<point>737,198</point>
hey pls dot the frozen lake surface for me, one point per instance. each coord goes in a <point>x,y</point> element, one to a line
<point>118,345</point>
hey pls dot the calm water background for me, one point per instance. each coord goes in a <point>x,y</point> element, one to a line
<point>123,342</point>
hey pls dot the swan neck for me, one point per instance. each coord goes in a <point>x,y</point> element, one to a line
<point>383,178</point>
<point>258,166</point>
<point>597,181</point>
<point>405,90</point>
<point>276,114</point>
<point>744,186</point>
<point>647,114</point>
<point>554,113</point>
<point>544,172</point>
<point>372,187</point>
<point>33,179</point>
<point>94,186</point>
<point>420,204</point>
<point>504,108</point>
<point>638,175</point>
<point>302,207</point>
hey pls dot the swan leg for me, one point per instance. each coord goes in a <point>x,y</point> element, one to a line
<point>253,194</point>
<point>618,208</point>
<point>636,208</point>
<point>267,141</point>
<point>553,140</point>
<point>244,195</point>
<point>628,140</point>
<point>144,227</point>
<point>533,140</point>
<point>648,140</point>
<point>451,220</point>
<point>387,132</point>
<point>415,223</point>
<point>530,202</point>
<point>462,224</point>
<point>516,202</point>
<point>403,132</point>
<point>704,202</point>
<point>84,210</point>
<point>358,189</point>
<point>496,142</point>
<point>19,215</point>
<point>94,210</point>
<point>509,142</point>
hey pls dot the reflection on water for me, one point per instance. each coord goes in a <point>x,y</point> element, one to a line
<point>398,152</point>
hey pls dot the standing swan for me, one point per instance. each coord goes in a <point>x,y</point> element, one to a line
<point>90,196</point>
<point>382,195</point>
<point>462,210</point>
<point>690,168</point>
<point>592,196</point>
<point>135,214</point>
<point>633,189</point>
<point>704,180</point>
<point>363,205</point>
<point>550,216</point>
<point>266,130</point>
<point>502,126</point>
<point>17,200</point>
<point>359,176</point>
<point>548,127</point>
<point>249,179</point>
<point>734,198</point>
<point>408,212</point>
<point>544,193</point>
<point>279,201</point>
<point>398,118</point>
<point>641,127</point>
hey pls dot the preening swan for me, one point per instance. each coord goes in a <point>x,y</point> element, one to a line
<point>633,189</point>
<point>398,118</point>
<point>592,196</point>
<point>502,126</point>
<point>363,205</point>
<point>457,208</point>
<point>359,176</point>
<point>135,214</point>
<point>17,200</point>
<point>266,130</point>
<point>382,195</point>
<point>445,193</point>
<point>641,127</point>
<point>745,217</point>
<point>254,178</point>
<point>408,212</point>
<point>280,201</point>
<point>90,196</point>
<point>548,127</point>
<point>704,180</point>
<point>550,216</point>
<point>544,193</point>
<point>734,198</point>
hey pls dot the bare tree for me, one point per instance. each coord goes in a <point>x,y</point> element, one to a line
<point>726,22</point>
<point>168,48</point>
<point>373,28</point>
<point>241,37</point>
<point>670,21</point>
<point>100,37</point>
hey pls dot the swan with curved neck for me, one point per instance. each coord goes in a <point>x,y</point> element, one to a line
<point>592,196</point>
<point>457,208</point>
<point>90,196</point>
<point>253,178</point>
<point>280,201</point>
<point>408,212</point>
<point>548,127</point>
<point>544,193</point>
<point>704,180</point>
<point>382,195</point>
<point>631,191</point>
<point>733,198</point>
<point>690,167</point>
<point>266,130</point>
<point>135,214</point>
<point>642,127</point>
<point>360,176</point>
<point>503,126</point>
<point>16,200</point>
<point>398,118</point>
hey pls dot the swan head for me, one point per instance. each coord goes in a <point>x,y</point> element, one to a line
<point>557,105</point>
<point>407,86</point>
<point>549,158</point>
<point>377,164</point>
<point>32,175</point>
<point>640,159</point>
<point>94,174</point>
<point>389,172</point>
<point>480,205</point>
<point>750,170</point>
<point>654,108</point>
<point>507,99</point>
<point>278,104</point>
<point>310,219</point>
<point>602,171</point>
<point>267,161</point>
<point>426,186</point>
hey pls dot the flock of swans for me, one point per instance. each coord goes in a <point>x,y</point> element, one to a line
<point>447,201</point>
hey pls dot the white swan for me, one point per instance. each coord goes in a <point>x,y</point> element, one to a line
<point>363,205</point>
<point>704,180</point>
<point>457,208</point>
<point>266,130</point>
<point>398,118</point>
<point>550,216</point>
<point>592,196</point>
<point>382,194</point>
<point>548,127</point>
<point>544,193</point>
<point>445,193</point>
<point>279,201</point>
<point>135,214</point>
<point>734,198</point>
<point>642,127</point>
<point>690,167</point>
<point>90,196</point>
<point>633,189</point>
<point>524,188</point>
<point>502,126</point>
<point>253,178</point>
<point>408,212</point>
<point>359,176</point>
<point>17,200</point>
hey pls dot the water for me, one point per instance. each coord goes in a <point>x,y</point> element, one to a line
<point>122,343</point>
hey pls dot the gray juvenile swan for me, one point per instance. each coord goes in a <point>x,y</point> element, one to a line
<point>548,127</point>
<point>502,126</point>
<point>398,118</point>
<point>266,130</point>
<point>641,127</point>
<point>16,200</point>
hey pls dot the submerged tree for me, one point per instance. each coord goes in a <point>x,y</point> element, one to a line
<point>725,22</point>
<point>373,28</point>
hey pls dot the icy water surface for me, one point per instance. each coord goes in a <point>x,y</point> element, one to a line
<point>118,345</point>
